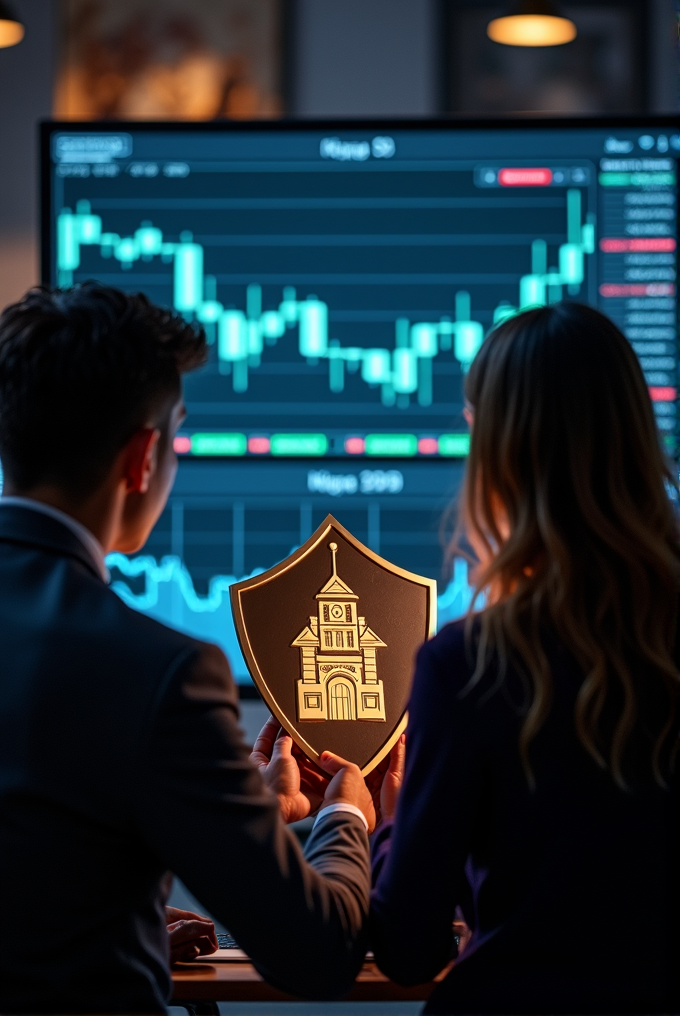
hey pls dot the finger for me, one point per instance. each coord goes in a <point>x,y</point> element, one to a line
<point>173,914</point>
<point>265,739</point>
<point>313,782</point>
<point>332,763</point>
<point>187,931</point>
<point>206,945</point>
<point>374,779</point>
<point>397,758</point>
<point>313,777</point>
<point>199,946</point>
<point>307,767</point>
<point>184,954</point>
<point>207,931</point>
<point>304,761</point>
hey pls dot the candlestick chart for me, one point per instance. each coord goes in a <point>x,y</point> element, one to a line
<point>243,335</point>
<point>345,284</point>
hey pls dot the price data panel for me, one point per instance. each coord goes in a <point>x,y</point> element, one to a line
<point>346,278</point>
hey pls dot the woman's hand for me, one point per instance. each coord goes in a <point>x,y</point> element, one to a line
<point>385,781</point>
<point>298,784</point>
<point>190,935</point>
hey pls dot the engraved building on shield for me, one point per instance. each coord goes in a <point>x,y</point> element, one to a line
<point>337,659</point>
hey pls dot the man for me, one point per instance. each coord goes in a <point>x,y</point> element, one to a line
<point>120,754</point>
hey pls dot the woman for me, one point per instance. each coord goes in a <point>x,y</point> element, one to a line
<point>540,793</point>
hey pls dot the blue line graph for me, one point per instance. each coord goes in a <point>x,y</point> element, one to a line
<point>169,596</point>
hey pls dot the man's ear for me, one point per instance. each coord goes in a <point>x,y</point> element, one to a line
<point>140,459</point>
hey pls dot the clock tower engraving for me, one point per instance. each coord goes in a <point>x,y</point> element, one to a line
<point>339,679</point>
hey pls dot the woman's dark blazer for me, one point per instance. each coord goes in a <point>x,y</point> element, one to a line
<point>572,889</point>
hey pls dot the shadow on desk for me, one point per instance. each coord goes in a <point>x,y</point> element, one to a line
<point>240,982</point>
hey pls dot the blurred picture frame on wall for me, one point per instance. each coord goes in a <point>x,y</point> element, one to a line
<point>169,59</point>
<point>602,72</point>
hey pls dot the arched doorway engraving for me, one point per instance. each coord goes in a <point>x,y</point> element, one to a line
<point>341,704</point>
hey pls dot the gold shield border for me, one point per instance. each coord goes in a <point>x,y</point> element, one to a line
<point>260,580</point>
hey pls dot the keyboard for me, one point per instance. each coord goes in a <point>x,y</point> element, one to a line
<point>226,941</point>
<point>229,951</point>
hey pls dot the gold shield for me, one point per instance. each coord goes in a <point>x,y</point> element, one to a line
<point>330,637</point>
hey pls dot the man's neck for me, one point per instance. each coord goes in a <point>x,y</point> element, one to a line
<point>99,512</point>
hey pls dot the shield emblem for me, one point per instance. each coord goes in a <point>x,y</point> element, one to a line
<point>330,637</point>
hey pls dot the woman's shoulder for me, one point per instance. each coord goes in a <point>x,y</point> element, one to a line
<point>444,696</point>
<point>457,638</point>
<point>450,654</point>
<point>448,667</point>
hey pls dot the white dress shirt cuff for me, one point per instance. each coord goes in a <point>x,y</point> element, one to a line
<point>351,809</point>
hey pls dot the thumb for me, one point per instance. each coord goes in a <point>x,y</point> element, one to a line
<point>283,747</point>
<point>331,763</point>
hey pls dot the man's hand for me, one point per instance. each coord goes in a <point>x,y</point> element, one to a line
<point>190,935</point>
<point>385,781</point>
<point>347,786</point>
<point>298,785</point>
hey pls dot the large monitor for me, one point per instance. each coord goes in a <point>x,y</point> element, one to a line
<point>346,274</point>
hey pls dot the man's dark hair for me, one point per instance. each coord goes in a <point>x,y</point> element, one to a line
<point>80,371</point>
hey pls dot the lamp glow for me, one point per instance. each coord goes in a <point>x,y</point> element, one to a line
<point>532,23</point>
<point>11,29</point>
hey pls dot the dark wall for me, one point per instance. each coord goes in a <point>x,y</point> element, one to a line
<point>26,77</point>
<point>623,61</point>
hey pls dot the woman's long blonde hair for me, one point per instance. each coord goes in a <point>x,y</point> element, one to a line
<point>566,494</point>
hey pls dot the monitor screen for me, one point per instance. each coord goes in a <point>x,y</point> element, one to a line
<point>346,275</point>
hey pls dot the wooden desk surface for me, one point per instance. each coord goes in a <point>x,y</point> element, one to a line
<point>240,982</point>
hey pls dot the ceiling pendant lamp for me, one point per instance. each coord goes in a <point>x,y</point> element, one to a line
<point>532,23</point>
<point>11,29</point>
